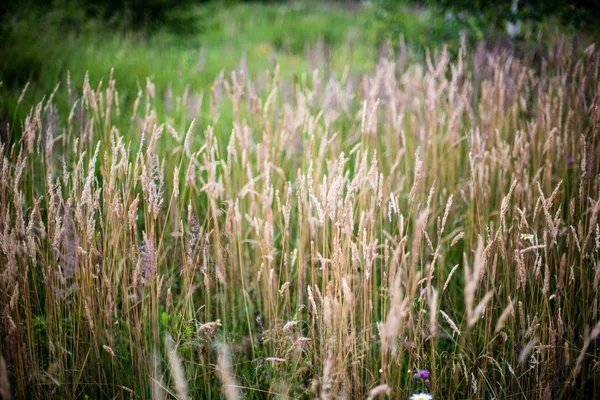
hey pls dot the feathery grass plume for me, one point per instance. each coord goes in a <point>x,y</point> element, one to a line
<point>590,337</point>
<point>450,322</point>
<point>378,390</point>
<point>390,330</point>
<point>326,380</point>
<point>152,184</point>
<point>176,182</point>
<point>109,350</point>
<point>417,179</point>
<point>315,311</point>
<point>230,386</point>
<point>276,359</point>
<point>209,327</point>
<point>187,142</point>
<point>418,234</point>
<point>445,218</point>
<point>502,319</point>
<point>457,238</point>
<point>433,311</point>
<point>147,259</point>
<point>449,277</point>
<point>480,308</point>
<point>22,95</point>
<point>158,390</point>
<point>527,349</point>
<point>505,205</point>
<point>175,369</point>
<point>4,383</point>
<point>132,212</point>
<point>472,280</point>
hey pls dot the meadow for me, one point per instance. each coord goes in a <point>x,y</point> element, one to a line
<point>301,216</point>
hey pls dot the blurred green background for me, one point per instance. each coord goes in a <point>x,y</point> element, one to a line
<point>183,45</point>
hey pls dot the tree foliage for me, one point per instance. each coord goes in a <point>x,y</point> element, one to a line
<point>132,13</point>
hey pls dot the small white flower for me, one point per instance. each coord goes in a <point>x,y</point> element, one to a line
<point>421,396</point>
<point>528,236</point>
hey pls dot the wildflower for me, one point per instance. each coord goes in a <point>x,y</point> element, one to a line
<point>569,160</point>
<point>528,236</point>
<point>421,374</point>
<point>421,396</point>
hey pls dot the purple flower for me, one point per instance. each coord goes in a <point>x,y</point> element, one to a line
<point>422,374</point>
<point>569,160</point>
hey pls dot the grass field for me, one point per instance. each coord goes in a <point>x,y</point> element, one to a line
<point>254,213</point>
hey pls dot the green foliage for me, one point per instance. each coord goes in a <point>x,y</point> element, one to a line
<point>578,13</point>
<point>147,14</point>
<point>426,28</point>
<point>45,44</point>
<point>450,21</point>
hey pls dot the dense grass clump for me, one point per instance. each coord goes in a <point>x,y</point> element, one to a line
<point>309,237</point>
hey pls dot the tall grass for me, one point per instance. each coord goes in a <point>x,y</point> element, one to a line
<point>318,238</point>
